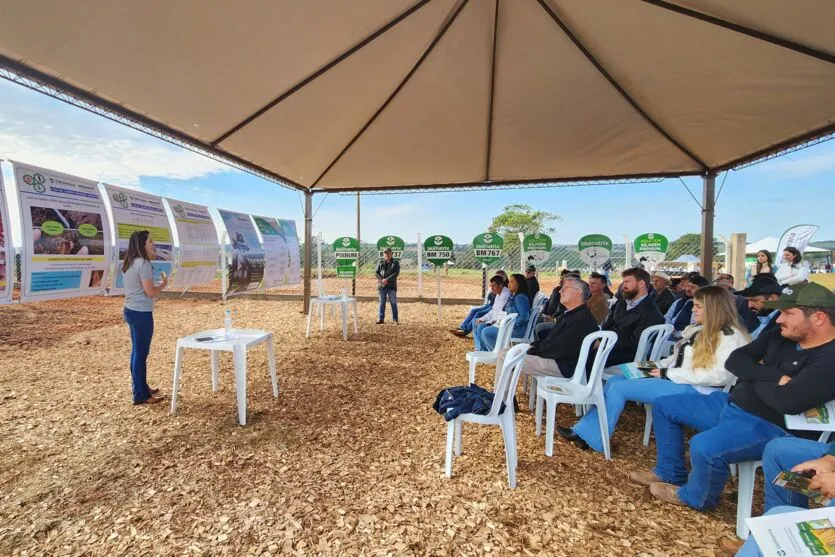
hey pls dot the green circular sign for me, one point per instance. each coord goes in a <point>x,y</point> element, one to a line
<point>52,227</point>
<point>438,249</point>
<point>488,248</point>
<point>536,247</point>
<point>650,249</point>
<point>395,243</point>
<point>595,249</point>
<point>87,230</point>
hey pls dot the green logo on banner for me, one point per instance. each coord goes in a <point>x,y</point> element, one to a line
<point>650,249</point>
<point>438,249</point>
<point>488,248</point>
<point>595,249</point>
<point>265,227</point>
<point>87,230</point>
<point>52,227</point>
<point>536,247</point>
<point>395,243</point>
<point>347,251</point>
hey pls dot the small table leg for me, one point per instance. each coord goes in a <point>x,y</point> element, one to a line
<point>271,363</point>
<point>309,316</point>
<point>239,354</point>
<point>178,363</point>
<point>321,317</point>
<point>215,369</point>
<point>354,305</point>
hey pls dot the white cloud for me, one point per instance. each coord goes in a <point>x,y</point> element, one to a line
<point>805,166</point>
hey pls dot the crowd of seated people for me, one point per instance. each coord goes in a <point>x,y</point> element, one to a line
<point>732,390</point>
<point>497,298</point>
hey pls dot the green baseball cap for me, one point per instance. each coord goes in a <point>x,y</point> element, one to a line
<point>809,295</point>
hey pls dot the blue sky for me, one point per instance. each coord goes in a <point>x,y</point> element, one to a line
<point>762,200</point>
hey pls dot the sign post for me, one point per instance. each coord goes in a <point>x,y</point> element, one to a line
<point>439,250</point>
<point>650,250</point>
<point>347,251</point>
<point>488,251</point>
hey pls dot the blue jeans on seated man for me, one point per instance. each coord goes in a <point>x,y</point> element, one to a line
<point>391,294</point>
<point>718,443</point>
<point>617,391</point>
<point>784,454</point>
<point>468,323</point>
<point>751,549</point>
<point>485,336</point>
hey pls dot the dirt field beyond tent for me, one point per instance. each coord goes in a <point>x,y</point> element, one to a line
<point>348,460</point>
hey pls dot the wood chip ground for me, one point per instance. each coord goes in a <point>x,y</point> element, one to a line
<point>348,460</point>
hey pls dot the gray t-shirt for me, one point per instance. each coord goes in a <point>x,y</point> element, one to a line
<point>135,298</point>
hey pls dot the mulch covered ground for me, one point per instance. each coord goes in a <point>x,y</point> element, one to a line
<point>348,460</point>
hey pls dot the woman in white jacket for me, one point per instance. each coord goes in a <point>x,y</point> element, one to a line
<point>793,270</point>
<point>697,364</point>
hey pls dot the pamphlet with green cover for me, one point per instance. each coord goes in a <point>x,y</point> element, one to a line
<point>395,243</point>
<point>595,250</point>
<point>488,248</point>
<point>536,247</point>
<point>438,249</point>
<point>650,249</point>
<point>347,251</point>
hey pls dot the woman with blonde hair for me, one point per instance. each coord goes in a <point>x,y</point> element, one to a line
<point>696,365</point>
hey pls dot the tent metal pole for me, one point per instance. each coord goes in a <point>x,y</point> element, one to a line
<point>308,247</point>
<point>708,205</point>
<point>359,253</point>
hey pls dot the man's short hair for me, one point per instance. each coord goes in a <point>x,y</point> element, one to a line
<point>564,272</point>
<point>807,311</point>
<point>596,275</point>
<point>639,274</point>
<point>573,275</point>
<point>699,281</point>
<point>582,285</point>
<point>724,276</point>
<point>497,279</point>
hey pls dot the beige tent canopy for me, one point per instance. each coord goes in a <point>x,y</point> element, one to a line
<point>360,95</point>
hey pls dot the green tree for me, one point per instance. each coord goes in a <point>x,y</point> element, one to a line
<point>521,218</point>
<point>689,244</point>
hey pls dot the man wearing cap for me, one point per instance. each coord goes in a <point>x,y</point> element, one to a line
<point>662,295</point>
<point>386,273</point>
<point>764,288</point>
<point>787,370</point>
<point>533,283</point>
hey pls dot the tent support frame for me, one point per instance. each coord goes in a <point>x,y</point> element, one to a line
<point>708,215</point>
<point>308,247</point>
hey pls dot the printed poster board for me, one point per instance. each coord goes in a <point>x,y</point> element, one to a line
<point>276,254</point>
<point>291,238</point>
<point>135,211</point>
<point>536,248</point>
<point>66,235</point>
<point>199,246</point>
<point>650,250</point>
<point>798,534</point>
<point>6,251</point>
<point>595,250</point>
<point>246,269</point>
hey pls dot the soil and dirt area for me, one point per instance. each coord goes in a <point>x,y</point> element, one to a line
<point>347,461</point>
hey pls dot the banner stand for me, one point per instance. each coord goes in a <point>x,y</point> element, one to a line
<point>419,267</point>
<point>484,280</point>
<point>438,280</point>
<point>224,266</point>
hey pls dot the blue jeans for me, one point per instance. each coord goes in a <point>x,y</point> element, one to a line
<point>484,336</point>
<point>475,313</point>
<point>727,434</point>
<point>391,294</point>
<point>783,454</point>
<point>751,549</point>
<point>617,391</point>
<point>141,324</point>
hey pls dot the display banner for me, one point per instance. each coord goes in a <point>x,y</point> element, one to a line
<point>488,248</point>
<point>797,237</point>
<point>134,211</point>
<point>291,238</point>
<point>66,235</point>
<point>6,251</point>
<point>536,248</point>
<point>198,243</point>
<point>396,244</point>
<point>276,255</point>
<point>595,250</point>
<point>246,270</point>
<point>650,250</point>
<point>347,252</point>
<point>438,249</point>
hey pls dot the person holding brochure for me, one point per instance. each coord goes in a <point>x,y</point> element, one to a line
<point>139,310</point>
<point>697,365</point>
<point>785,371</point>
<point>387,271</point>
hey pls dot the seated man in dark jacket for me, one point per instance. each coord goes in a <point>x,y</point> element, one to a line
<point>558,352</point>
<point>631,314</point>
<point>785,371</point>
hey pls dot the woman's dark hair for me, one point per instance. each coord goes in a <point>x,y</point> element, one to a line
<point>767,258</point>
<point>522,282</point>
<point>796,253</point>
<point>136,249</point>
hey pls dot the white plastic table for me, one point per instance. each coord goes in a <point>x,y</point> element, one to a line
<point>321,302</point>
<point>239,342</point>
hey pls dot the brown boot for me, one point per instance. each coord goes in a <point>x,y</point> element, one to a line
<point>666,492</point>
<point>644,477</point>
<point>730,547</point>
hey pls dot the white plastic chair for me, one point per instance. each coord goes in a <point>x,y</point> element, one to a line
<point>745,498</point>
<point>529,329</point>
<point>506,420</point>
<point>540,300</point>
<point>502,342</point>
<point>577,390</point>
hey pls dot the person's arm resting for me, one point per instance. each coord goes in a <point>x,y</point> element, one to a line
<point>813,386</point>
<point>745,362</point>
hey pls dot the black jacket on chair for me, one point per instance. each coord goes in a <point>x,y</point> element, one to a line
<point>562,343</point>
<point>629,325</point>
